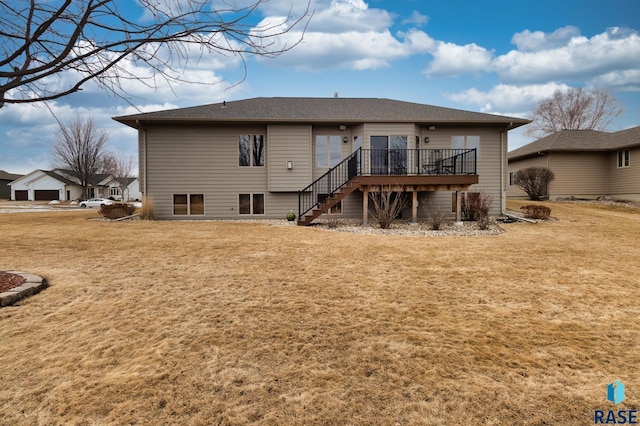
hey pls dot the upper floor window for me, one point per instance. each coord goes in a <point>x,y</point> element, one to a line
<point>251,150</point>
<point>466,142</point>
<point>624,158</point>
<point>328,150</point>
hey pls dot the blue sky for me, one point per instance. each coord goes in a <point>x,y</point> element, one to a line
<point>499,57</point>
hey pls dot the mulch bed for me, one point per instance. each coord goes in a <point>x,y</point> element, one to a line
<point>9,281</point>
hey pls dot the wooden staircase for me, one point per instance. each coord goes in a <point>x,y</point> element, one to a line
<point>329,202</point>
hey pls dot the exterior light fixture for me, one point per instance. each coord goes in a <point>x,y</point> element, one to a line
<point>289,165</point>
<point>426,139</point>
<point>342,127</point>
<point>345,139</point>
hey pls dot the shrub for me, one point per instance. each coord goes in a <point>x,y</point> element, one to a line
<point>484,222</point>
<point>436,218</point>
<point>476,205</point>
<point>147,212</point>
<point>536,212</point>
<point>387,206</point>
<point>534,181</point>
<point>118,210</point>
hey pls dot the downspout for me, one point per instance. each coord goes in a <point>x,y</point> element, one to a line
<point>503,169</point>
<point>143,139</point>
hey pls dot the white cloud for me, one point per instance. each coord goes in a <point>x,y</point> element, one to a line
<point>624,80</point>
<point>351,50</point>
<point>417,19</point>
<point>528,41</point>
<point>344,34</point>
<point>579,58</point>
<point>450,59</point>
<point>504,97</point>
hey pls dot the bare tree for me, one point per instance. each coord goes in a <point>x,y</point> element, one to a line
<point>86,40</point>
<point>387,205</point>
<point>575,109</point>
<point>79,149</point>
<point>120,167</point>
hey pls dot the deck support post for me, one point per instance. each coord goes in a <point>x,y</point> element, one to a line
<point>458,208</point>
<point>365,207</point>
<point>414,207</point>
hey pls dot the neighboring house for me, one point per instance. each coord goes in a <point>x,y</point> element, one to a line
<point>131,187</point>
<point>585,163</point>
<point>265,157</point>
<point>5,180</point>
<point>45,185</point>
<point>58,184</point>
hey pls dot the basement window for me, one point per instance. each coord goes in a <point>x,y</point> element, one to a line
<point>251,203</point>
<point>188,204</point>
<point>624,158</point>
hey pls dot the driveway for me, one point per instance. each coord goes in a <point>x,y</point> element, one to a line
<point>35,206</point>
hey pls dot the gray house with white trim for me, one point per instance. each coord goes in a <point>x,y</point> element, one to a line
<point>265,157</point>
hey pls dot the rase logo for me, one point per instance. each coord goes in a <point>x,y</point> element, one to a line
<point>615,394</point>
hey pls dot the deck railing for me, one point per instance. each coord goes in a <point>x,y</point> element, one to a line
<point>400,162</point>
<point>386,162</point>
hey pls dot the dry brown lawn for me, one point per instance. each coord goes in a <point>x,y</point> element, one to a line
<point>187,323</point>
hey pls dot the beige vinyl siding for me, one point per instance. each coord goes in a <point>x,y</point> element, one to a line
<point>289,143</point>
<point>387,129</point>
<point>204,160</point>
<point>488,166</point>
<point>624,182</point>
<point>580,174</point>
<point>538,161</point>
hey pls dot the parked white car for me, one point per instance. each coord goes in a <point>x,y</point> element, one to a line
<point>96,202</point>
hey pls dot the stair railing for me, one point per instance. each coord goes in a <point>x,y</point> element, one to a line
<point>386,162</point>
<point>329,183</point>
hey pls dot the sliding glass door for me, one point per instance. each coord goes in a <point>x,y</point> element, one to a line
<point>389,155</point>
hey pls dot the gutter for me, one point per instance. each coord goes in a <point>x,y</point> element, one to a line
<point>503,159</point>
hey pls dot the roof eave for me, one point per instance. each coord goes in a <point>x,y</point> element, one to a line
<point>136,123</point>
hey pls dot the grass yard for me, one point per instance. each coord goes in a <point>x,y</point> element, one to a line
<point>187,323</point>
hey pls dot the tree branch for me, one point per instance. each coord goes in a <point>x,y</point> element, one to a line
<point>85,40</point>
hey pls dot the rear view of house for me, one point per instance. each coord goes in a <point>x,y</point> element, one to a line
<point>586,164</point>
<point>266,157</point>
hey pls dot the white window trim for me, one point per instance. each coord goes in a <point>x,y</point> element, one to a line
<point>620,158</point>
<point>466,145</point>
<point>252,137</point>
<point>188,194</point>
<point>251,213</point>
<point>329,145</point>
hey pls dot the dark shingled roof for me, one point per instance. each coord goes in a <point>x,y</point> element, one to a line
<point>9,176</point>
<point>579,140</point>
<point>344,110</point>
<point>59,177</point>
